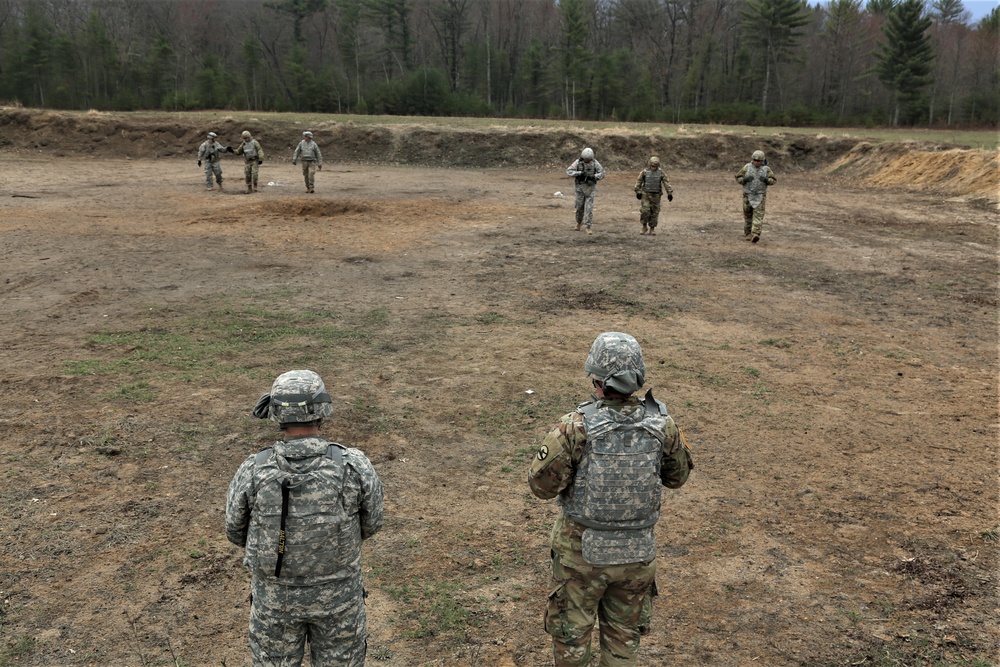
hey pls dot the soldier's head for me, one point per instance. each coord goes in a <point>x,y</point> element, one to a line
<point>615,364</point>
<point>212,135</point>
<point>307,136</point>
<point>587,154</point>
<point>654,163</point>
<point>758,156</point>
<point>297,398</point>
<point>246,135</point>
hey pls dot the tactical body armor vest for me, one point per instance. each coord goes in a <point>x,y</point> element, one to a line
<point>298,522</point>
<point>589,175</point>
<point>616,491</point>
<point>250,150</point>
<point>652,181</point>
<point>755,183</point>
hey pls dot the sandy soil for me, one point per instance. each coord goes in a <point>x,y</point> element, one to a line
<point>837,383</point>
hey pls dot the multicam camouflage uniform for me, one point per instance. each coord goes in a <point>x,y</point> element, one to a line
<point>602,573</point>
<point>253,155</point>
<point>650,184</point>
<point>210,155</point>
<point>312,158</point>
<point>586,174</point>
<point>754,180</point>
<point>314,587</point>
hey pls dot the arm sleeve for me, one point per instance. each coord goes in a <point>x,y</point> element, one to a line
<point>260,150</point>
<point>771,180</point>
<point>739,176</point>
<point>239,500</point>
<point>600,171</point>
<point>371,512</point>
<point>675,462</point>
<point>666,184</point>
<point>554,465</point>
<point>640,180</point>
<point>201,152</point>
<point>571,170</point>
<point>319,156</point>
<point>295,154</point>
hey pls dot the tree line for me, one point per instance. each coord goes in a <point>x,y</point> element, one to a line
<point>777,62</point>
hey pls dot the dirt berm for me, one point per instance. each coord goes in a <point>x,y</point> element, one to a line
<point>952,171</point>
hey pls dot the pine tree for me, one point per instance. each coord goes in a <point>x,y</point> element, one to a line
<point>775,23</point>
<point>904,63</point>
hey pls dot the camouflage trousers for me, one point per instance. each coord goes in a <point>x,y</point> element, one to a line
<point>332,617</point>
<point>584,205</point>
<point>250,171</point>
<point>309,174</point>
<point>649,212</point>
<point>617,597</point>
<point>212,168</point>
<point>753,218</point>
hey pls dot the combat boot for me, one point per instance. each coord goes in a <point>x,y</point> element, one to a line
<point>644,230</point>
<point>579,226</point>
<point>755,238</point>
<point>589,232</point>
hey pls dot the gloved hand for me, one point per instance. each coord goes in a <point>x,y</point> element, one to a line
<point>294,163</point>
<point>199,163</point>
<point>229,149</point>
<point>670,197</point>
<point>260,162</point>
<point>638,195</point>
<point>763,179</point>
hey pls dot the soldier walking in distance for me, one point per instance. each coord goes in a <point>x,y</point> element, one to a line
<point>649,189</point>
<point>606,462</point>
<point>755,176</point>
<point>253,157</point>
<point>210,153</point>
<point>301,508</point>
<point>586,171</point>
<point>312,159</point>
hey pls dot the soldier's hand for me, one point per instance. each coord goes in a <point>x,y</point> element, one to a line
<point>638,195</point>
<point>763,179</point>
<point>260,162</point>
<point>229,149</point>
<point>199,163</point>
<point>670,197</point>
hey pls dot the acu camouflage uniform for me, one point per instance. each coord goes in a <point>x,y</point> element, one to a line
<point>754,180</point>
<point>604,574</point>
<point>312,158</point>
<point>586,175</point>
<point>305,555</point>
<point>650,185</point>
<point>253,155</point>
<point>210,155</point>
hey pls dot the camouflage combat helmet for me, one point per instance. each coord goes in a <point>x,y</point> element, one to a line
<point>757,155</point>
<point>654,161</point>
<point>246,134</point>
<point>296,397</point>
<point>615,359</point>
<point>587,154</point>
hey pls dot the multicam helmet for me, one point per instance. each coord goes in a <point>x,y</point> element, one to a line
<point>587,154</point>
<point>654,161</point>
<point>615,359</point>
<point>212,135</point>
<point>246,134</point>
<point>307,133</point>
<point>296,396</point>
<point>757,155</point>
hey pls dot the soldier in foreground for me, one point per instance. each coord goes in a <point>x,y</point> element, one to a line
<point>210,153</point>
<point>755,176</point>
<point>253,157</point>
<point>649,189</point>
<point>586,171</point>
<point>606,462</point>
<point>312,159</point>
<point>301,508</point>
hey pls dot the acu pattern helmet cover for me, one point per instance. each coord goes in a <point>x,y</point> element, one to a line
<point>615,359</point>
<point>296,397</point>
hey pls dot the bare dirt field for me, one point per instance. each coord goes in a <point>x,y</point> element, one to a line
<point>837,383</point>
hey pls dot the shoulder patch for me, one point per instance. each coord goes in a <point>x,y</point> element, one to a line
<point>543,453</point>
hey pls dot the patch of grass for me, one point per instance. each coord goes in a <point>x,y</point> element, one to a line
<point>752,372</point>
<point>21,646</point>
<point>136,392</point>
<point>776,342</point>
<point>490,318</point>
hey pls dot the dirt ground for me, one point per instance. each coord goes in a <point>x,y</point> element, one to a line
<point>837,383</point>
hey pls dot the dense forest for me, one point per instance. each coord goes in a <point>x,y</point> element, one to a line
<point>778,62</point>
